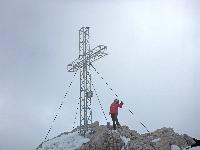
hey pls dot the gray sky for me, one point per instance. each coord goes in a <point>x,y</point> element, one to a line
<point>152,64</point>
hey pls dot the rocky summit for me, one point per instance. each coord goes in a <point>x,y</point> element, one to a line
<point>102,137</point>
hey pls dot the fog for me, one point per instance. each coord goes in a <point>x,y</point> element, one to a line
<point>152,65</point>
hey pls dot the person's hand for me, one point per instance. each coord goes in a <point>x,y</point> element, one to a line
<point>122,102</point>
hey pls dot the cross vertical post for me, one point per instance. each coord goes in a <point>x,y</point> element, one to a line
<point>85,80</point>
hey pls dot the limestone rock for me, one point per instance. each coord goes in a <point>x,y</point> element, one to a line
<point>103,138</point>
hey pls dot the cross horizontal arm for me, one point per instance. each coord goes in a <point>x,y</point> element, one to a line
<point>98,52</point>
<point>95,54</point>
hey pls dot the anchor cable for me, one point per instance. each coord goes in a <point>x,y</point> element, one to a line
<point>117,96</point>
<point>59,108</point>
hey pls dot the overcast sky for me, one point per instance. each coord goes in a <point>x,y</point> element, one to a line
<point>153,65</point>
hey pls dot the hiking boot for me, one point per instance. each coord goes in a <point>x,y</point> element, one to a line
<point>118,125</point>
<point>114,127</point>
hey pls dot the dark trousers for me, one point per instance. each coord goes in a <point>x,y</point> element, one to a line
<point>115,120</point>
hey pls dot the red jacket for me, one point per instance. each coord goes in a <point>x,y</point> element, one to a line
<point>114,107</point>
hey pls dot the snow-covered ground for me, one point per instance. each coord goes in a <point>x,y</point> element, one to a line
<point>73,141</point>
<point>69,141</point>
<point>194,148</point>
<point>174,147</point>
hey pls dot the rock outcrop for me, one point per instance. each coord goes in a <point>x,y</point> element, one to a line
<point>103,138</point>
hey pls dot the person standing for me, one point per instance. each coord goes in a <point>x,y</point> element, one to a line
<point>114,112</point>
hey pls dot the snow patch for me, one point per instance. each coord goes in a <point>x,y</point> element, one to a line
<point>194,148</point>
<point>174,147</point>
<point>156,140</point>
<point>69,141</point>
<point>114,131</point>
<point>125,140</point>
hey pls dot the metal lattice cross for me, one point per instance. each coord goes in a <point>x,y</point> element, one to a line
<point>83,63</point>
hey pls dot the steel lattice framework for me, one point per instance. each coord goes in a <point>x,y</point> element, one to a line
<point>83,63</point>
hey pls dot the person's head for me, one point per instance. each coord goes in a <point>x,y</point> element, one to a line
<point>116,101</point>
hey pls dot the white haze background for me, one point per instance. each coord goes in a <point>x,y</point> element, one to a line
<point>153,64</point>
